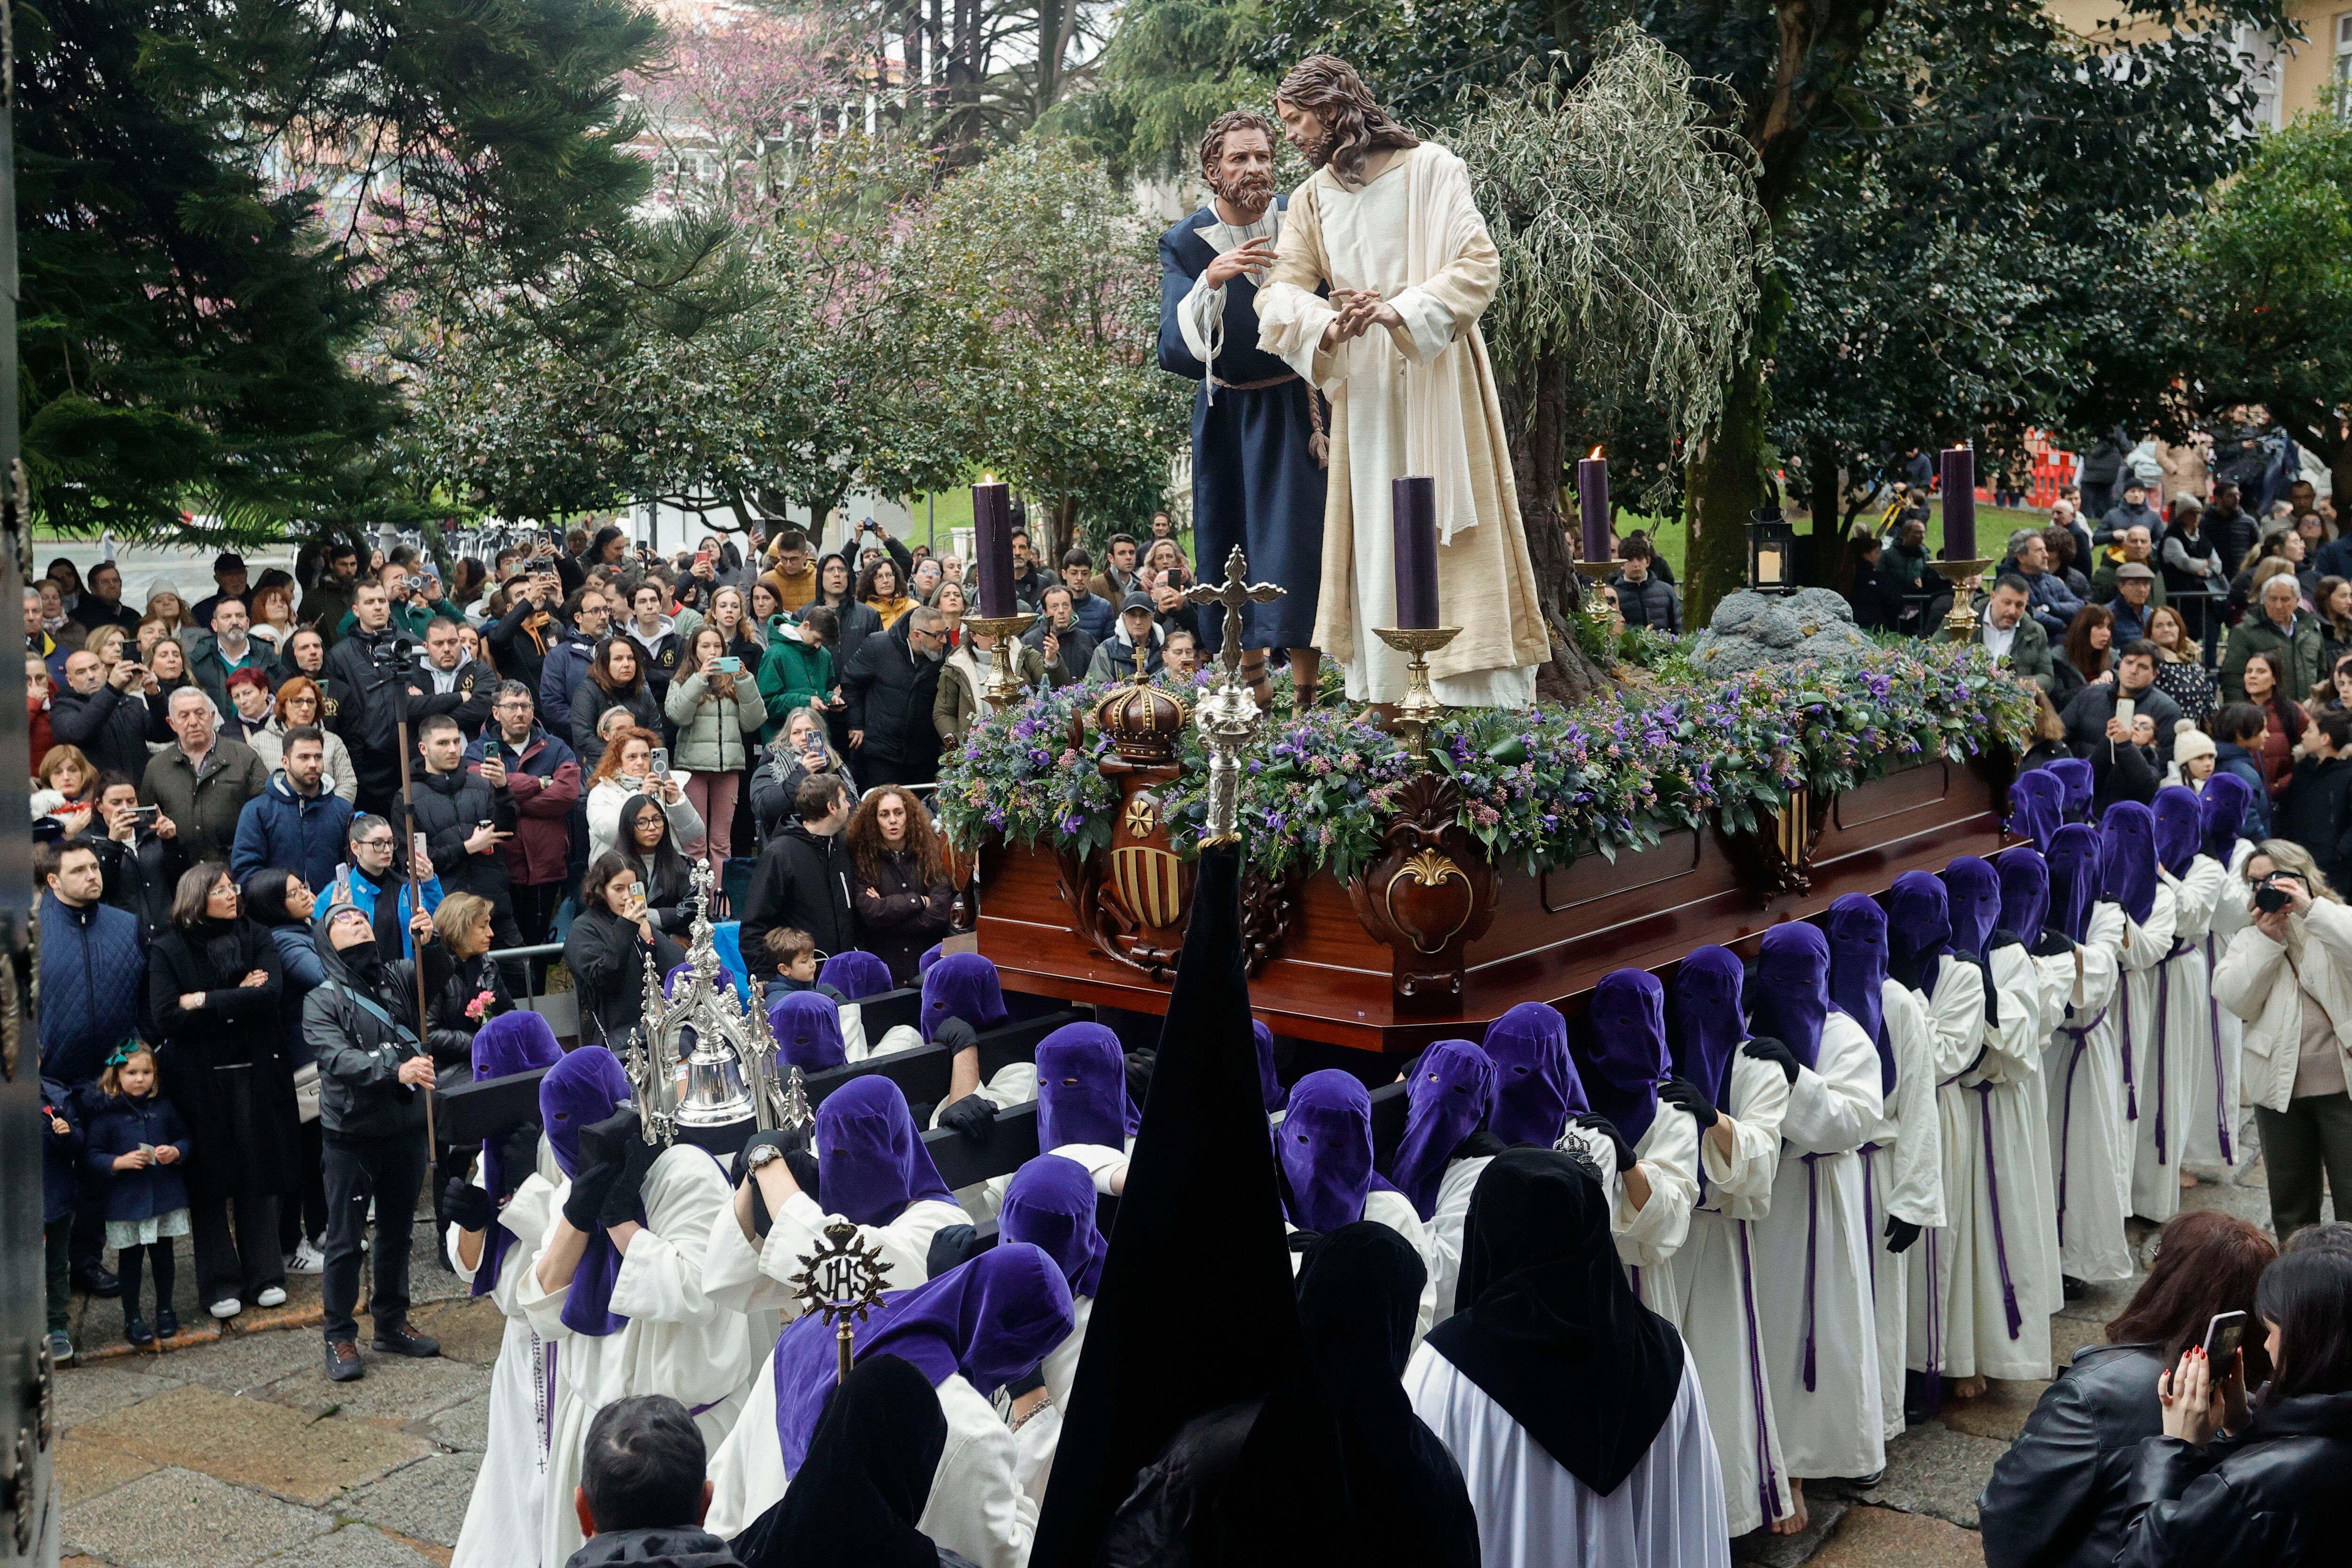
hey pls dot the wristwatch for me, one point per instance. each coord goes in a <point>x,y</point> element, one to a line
<point>765,1154</point>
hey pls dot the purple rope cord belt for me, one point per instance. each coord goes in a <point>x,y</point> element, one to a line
<point>2066,1110</point>
<point>2123,1025</point>
<point>1812,1233</point>
<point>2000,1239</point>
<point>1932,1379</point>
<point>1768,1481</point>
<point>1869,1152</point>
<point>2163,1016</point>
<point>542,1357</point>
<point>2221,1089</point>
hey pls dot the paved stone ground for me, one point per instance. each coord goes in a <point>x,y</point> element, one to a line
<point>227,1448</point>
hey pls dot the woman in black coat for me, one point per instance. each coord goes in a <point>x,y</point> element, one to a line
<point>282,904</point>
<point>213,984</point>
<point>2233,1483</point>
<point>900,889</point>
<point>2060,1497</point>
<point>463,989</point>
<point>645,837</point>
<point>615,679</point>
<point>607,948</point>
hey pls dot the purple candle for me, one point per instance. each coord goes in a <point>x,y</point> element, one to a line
<point>1415,503</point>
<point>1959,504</point>
<point>1592,506</point>
<point>992,527</point>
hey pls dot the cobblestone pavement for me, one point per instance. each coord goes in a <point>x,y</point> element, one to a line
<point>231,1447</point>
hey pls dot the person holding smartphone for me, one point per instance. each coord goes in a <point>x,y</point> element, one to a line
<point>606,951</point>
<point>717,709</point>
<point>2289,976</point>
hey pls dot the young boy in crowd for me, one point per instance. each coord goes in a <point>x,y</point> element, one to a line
<point>793,956</point>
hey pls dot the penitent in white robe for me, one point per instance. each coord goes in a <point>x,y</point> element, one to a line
<point>756,1279</point>
<point>1904,1176</point>
<point>1014,1083</point>
<point>2216,1119</point>
<point>1532,1513</point>
<point>1648,1238</point>
<point>2180,1034</point>
<point>1812,1283</point>
<point>976,1505</point>
<point>2155,1095</point>
<point>1954,1017</point>
<point>2090,1139</point>
<point>503,1516</point>
<point>1036,1438</point>
<point>1444,1228</point>
<point>1394,1210</point>
<point>1713,1283</point>
<point>1416,399</point>
<point>1998,1293</point>
<point>677,1341</point>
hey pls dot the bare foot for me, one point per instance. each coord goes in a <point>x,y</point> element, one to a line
<point>1794,1524</point>
<point>2187,1180</point>
<point>1965,1387</point>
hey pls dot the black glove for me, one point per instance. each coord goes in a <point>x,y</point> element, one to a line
<point>954,1035</point>
<point>740,1170</point>
<point>972,1116</point>
<point>951,1246</point>
<point>1765,1049</point>
<point>1140,1065</point>
<point>1900,1233</point>
<point>466,1205</point>
<point>518,1158</point>
<point>2053,945</point>
<point>1685,1095</point>
<point>2003,936</point>
<point>1595,1121</point>
<point>625,1201</point>
<point>802,1165</point>
<point>607,1142</point>
<point>1479,1145</point>
<point>590,1186</point>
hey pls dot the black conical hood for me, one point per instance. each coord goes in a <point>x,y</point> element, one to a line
<point>1195,1310</point>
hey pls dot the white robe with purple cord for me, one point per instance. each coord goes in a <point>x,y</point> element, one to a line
<point>1904,1176</point>
<point>503,1516</point>
<point>2090,1138</point>
<point>2216,1120</point>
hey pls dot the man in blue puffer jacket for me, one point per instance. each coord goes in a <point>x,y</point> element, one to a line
<point>93,976</point>
<point>297,822</point>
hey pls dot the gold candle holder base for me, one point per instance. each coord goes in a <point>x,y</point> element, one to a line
<point>1964,576</point>
<point>1420,709</point>
<point>1003,687</point>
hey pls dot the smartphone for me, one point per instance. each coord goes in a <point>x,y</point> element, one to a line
<point>489,748</point>
<point>637,892</point>
<point>416,850</point>
<point>660,764</point>
<point>729,666</point>
<point>2223,1335</point>
<point>702,558</point>
<point>148,1151</point>
<point>2124,709</point>
<point>486,822</point>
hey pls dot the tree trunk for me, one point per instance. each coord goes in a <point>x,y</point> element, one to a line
<point>1825,492</point>
<point>1727,481</point>
<point>1537,416</point>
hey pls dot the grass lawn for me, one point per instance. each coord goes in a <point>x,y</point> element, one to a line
<point>1994,525</point>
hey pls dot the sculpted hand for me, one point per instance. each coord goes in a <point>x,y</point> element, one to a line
<point>1254,258</point>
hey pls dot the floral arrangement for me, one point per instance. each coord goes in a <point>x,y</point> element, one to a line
<point>479,1008</point>
<point>1539,786</point>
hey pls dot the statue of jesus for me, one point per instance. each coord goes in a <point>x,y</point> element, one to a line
<point>1387,221</point>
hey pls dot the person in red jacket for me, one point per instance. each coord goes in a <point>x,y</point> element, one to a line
<point>544,776</point>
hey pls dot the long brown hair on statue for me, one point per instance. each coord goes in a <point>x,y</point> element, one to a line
<point>1353,124</point>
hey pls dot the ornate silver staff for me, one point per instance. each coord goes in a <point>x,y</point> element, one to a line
<point>1228,717</point>
<point>840,1281</point>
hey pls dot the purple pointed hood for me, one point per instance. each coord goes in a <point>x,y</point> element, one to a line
<point>507,1044</point>
<point>1082,1088</point>
<point>1535,1085</point>
<point>807,1028</point>
<point>584,1088</point>
<point>1858,938</point>
<point>2127,859</point>
<point>2074,775</point>
<point>931,955</point>
<point>1447,1098</point>
<point>2024,890</point>
<point>961,985</point>
<point>2179,828</point>
<point>1973,889</point>
<point>2223,814</point>
<point>855,974</point>
<point>2037,805</point>
<point>1918,929</point>
<point>1324,1145</point>
<point>992,1319</point>
<point>1706,1025</point>
<point>1628,1057</point>
<point>1788,994</point>
<point>2077,876</point>
<point>871,1163</point>
<point>1050,1205</point>
<point>1269,1083</point>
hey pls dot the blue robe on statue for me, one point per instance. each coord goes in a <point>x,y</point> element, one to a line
<point>1256,483</point>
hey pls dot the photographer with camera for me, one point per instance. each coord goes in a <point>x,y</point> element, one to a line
<point>373,671</point>
<point>2289,976</point>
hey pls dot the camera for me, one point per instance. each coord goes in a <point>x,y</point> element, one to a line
<point>394,655</point>
<point>2269,898</point>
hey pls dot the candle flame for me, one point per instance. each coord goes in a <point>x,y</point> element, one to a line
<point>988,479</point>
<point>1596,455</point>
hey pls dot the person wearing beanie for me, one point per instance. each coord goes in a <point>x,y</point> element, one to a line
<point>2193,756</point>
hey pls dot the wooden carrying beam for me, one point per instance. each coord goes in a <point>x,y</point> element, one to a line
<point>468,1113</point>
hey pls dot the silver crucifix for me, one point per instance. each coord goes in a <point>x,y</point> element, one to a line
<point>1228,717</point>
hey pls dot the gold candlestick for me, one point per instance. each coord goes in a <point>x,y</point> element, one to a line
<point>1960,623</point>
<point>1002,685</point>
<point>1420,709</point>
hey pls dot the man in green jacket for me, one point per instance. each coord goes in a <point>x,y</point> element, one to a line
<point>2278,627</point>
<point>797,670</point>
<point>2013,634</point>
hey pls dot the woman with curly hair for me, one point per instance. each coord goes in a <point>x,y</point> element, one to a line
<point>881,589</point>
<point>900,887</point>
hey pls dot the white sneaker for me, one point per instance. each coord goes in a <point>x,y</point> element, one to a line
<point>306,1259</point>
<point>271,1296</point>
<point>226,1308</point>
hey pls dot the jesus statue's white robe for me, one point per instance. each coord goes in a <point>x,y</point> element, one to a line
<point>1416,399</point>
